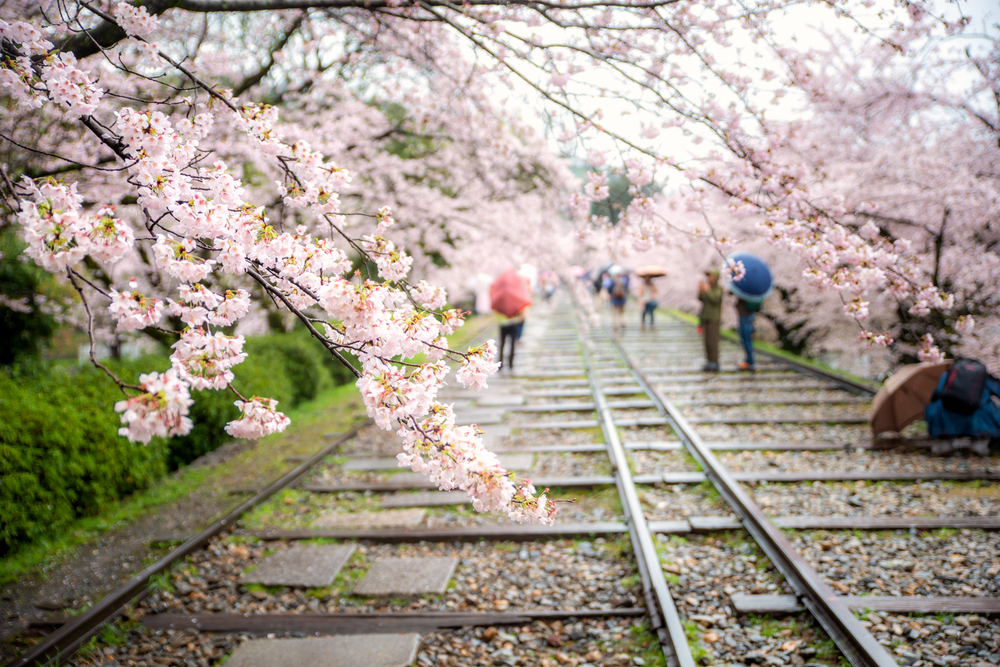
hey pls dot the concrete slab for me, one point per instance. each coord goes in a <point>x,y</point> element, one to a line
<point>372,463</point>
<point>407,477</point>
<point>517,461</point>
<point>397,518</point>
<point>479,417</point>
<point>407,576</point>
<point>303,565</point>
<point>499,400</point>
<point>495,431</point>
<point>426,499</point>
<point>341,651</point>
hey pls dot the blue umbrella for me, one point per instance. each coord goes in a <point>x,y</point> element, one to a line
<point>756,283</point>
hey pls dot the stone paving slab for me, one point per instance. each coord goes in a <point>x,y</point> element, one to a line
<point>517,461</point>
<point>371,463</point>
<point>495,431</point>
<point>480,417</point>
<point>407,576</point>
<point>341,651</point>
<point>499,400</point>
<point>426,499</point>
<point>396,518</point>
<point>304,565</point>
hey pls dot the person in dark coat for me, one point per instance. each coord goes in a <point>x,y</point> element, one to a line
<point>710,295</point>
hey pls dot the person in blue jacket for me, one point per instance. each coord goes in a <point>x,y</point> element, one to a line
<point>984,423</point>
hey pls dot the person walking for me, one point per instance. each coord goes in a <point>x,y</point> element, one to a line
<point>619,294</point>
<point>710,295</point>
<point>746,310</point>
<point>510,332</point>
<point>649,302</point>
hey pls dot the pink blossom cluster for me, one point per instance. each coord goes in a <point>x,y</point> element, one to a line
<point>160,410</point>
<point>259,418</point>
<point>478,366</point>
<point>205,360</point>
<point>60,80</point>
<point>59,234</point>
<point>133,310</point>
<point>454,458</point>
<point>136,21</point>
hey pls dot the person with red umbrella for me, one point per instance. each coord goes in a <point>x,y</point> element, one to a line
<point>510,296</point>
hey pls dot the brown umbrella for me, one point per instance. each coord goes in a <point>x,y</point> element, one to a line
<point>903,397</point>
<point>651,271</point>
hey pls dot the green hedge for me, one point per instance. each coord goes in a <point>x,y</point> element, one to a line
<point>60,452</point>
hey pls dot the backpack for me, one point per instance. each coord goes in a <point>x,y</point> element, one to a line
<point>963,385</point>
<point>618,287</point>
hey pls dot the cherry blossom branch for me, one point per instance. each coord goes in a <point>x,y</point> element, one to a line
<point>93,345</point>
<point>327,343</point>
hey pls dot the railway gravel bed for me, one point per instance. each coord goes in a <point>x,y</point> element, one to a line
<point>610,642</point>
<point>583,643</point>
<point>680,501</point>
<point>873,499</point>
<point>917,640</point>
<point>649,462</point>
<point>855,461</point>
<point>705,572</point>
<point>945,562</point>
<point>501,576</point>
<point>842,434</point>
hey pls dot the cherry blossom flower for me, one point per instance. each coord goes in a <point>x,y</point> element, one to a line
<point>133,310</point>
<point>478,366</point>
<point>136,21</point>
<point>161,410</point>
<point>259,418</point>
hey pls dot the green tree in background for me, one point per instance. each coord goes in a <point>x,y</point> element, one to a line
<point>24,327</point>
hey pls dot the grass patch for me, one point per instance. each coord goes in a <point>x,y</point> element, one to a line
<point>694,633</point>
<point>643,642</point>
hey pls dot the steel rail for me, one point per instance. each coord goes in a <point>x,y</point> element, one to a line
<point>851,637</point>
<point>663,614</point>
<point>60,646</point>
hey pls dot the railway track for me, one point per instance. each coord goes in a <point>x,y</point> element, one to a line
<point>677,546</point>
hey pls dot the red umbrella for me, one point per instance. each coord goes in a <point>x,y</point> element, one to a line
<point>509,293</point>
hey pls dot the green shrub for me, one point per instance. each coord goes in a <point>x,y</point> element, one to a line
<point>60,452</point>
<point>304,361</point>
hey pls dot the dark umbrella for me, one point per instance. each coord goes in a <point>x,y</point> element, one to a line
<point>756,282</point>
<point>509,293</point>
<point>599,275</point>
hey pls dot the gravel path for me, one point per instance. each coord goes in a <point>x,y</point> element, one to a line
<point>944,562</point>
<point>679,501</point>
<point>854,434</point>
<point>500,576</point>
<point>918,641</point>
<point>581,644</point>
<point>879,499</point>
<point>854,461</point>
